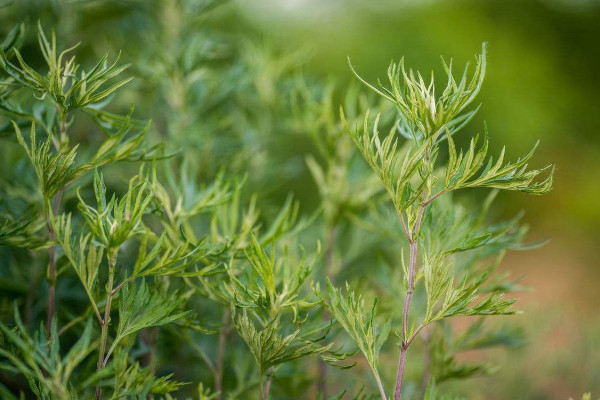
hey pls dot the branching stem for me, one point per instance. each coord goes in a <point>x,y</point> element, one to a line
<point>412,271</point>
<point>432,198</point>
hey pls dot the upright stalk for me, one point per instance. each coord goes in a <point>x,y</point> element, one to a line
<point>150,337</point>
<point>62,117</point>
<point>412,271</point>
<point>330,252</point>
<point>218,372</point>
<point>379,385</point>
<point>264,389</point>
<point>112,261</point>
<point>260,384</point>
<point>52,262</point>
<point>405,313</point>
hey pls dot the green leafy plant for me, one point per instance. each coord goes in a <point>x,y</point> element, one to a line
<point>177,262</point>
<point>413,181</point>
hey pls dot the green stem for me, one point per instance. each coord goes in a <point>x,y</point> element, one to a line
<point>52,261</point>
<point>260,384</point>
<point>266,388</point>
<point>329,260</point>
<point>412,271</point>
<point>405,314</point>
<point>412,236</point>
<point>112,261</point>
<point>218,371</point>
<point>50,215</point>
<point>379,385</point>
<point>74,322</point>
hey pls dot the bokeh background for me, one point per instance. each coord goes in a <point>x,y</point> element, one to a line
<point>542,83</point>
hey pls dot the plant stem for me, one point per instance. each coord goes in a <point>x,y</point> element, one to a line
<point>400,375</point>
<point>267,387</point>
<point>405,313</point>
<point>331,236</point>
<point>112,258</point>
<point>73,322</point>
<point>412,270</point>
<point>52,262</point>
<point>150,337</point>
<point>62,125</point>
<point>202,355</point>
<point>260,384</point>
<point>412,237</point>
<point>329,259</point>
<point>264,390</point>
<point>379,385</point>
<point>218,372</point>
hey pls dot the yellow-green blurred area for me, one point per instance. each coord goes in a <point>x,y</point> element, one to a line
<point>542,83</point>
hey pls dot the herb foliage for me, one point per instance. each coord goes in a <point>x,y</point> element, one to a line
<point>177,248</point>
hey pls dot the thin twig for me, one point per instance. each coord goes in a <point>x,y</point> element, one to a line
<point>120,286</point>
<point>106,320</point>
<point>203,355</point>
<point>379,385</point>
<point>51,233</point>
<point>329,260</point>
<point>267,387</point>
<point>73,322</point>
<point>218,370</point>
<point>412,270</point>
<point>52,262</point>
<point>150,337</point>
<point>404,227</point>
<point>405,314</point>
<point>432,198</point>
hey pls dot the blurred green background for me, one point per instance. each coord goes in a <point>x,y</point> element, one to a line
<point>542,83</point>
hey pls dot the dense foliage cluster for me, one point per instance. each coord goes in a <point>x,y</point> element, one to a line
<point>163,260</point>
